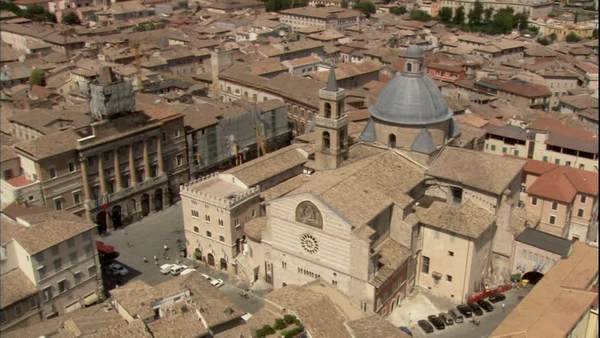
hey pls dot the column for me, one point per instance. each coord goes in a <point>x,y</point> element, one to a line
<point>132,172</point>
<point>101,174</point>
<point>159,156</point>
<point>117,168</point>
<point>85,179</point>
<point>146,161</point>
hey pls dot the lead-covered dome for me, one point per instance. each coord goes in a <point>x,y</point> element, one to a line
<point>411,98</point>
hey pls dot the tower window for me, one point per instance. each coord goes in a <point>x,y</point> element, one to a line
<point>456,194</point>
<point>392,141</point>
<point>409,67</point>
<point>327,109</point>
<point>326,140</point>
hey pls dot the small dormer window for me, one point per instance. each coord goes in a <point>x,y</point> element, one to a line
<point>457,194</point>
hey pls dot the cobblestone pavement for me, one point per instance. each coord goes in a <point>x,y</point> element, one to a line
<point>147,238</point>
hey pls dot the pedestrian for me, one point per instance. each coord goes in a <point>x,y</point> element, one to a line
<point>165,247</point>
<point>155,260</point>
<point>145,259</point>
<point>503,306</point>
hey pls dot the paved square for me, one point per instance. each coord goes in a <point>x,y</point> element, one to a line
<point>147,238</point>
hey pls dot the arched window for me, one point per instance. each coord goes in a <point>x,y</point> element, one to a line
<point>327,109</point>
<point>326,140</point>
<point>392,141</point>
<point>409,67</point>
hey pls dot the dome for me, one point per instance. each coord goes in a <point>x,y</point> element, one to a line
<point>412,100</point>
<point>413,52</point>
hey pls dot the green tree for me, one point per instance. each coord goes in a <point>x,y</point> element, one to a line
<point>71,19</point>
<point>488,14</point>
<point>533,29</point>
<point>366,7</point>
<point>398,10</point>
<point>419,15</point>
<point>445,14</point>
<point>522,21</point>
<point>475,14</point>
<point>459,16</point>
<point>37,77</point>
<point>277,5</point>
<point>503,22</point>
<point>572,37</point>
<point>552,37</point>
<point>544,41</point>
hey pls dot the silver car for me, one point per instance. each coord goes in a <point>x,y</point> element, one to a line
<point>458,318</point>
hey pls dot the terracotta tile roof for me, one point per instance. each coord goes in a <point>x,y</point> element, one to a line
<point>15,286</point>
<point>565,136</point>
<point>538,167</point>
<point>374,326</point>
<point>559,300</point>
<point>488,172</point>
<point>257,171</point>
<point>19,181</point>
<point>45,230</point>
<point>391,256</point>
<point>253,229</point>
<point>564,183</point>
<point>50,145</point>
<point>507,131</point>
<point>465,219</point>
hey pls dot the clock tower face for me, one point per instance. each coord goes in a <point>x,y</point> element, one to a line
<point>309,243</point>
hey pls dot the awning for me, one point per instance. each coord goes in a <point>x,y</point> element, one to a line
<point>90,299</point>
<point>104,248</point>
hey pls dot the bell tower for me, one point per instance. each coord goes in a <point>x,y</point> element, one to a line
<point>331,125</point>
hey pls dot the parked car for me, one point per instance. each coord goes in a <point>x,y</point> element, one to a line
<point>487,306</point>
<point>176,269</point>
<point>406,330</point>
<point>457,318</point>
<point>207,277</point>
<point>166,268</point>
<point>216,283</point>
<point>437,322</point>
<point>446,319</point>
<point>425,326</point>
<point>476,309</point>
<point>497,297</point>
<point>465,310</point>
<point>118,269</point>
<point>186,271</point>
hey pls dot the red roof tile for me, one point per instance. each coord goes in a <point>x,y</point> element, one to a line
<point>19,181</point>
<point>563,183</point>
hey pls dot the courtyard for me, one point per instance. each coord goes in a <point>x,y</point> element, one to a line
<point>147,237</point>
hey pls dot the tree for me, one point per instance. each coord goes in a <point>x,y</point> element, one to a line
<point>398,10</point>
<point>366,7</point>
<point>522,21</point>
<point>71,19</point>
<point>37,77</point>
<point>572,37</point>
<point>533,29</point>
<point>445,15</point>
<point>277,5</point>
<point>488,13</point>
<point>544,41</point>
<point>344,4</point>
<point>503,22</point>
<point>419,15</point>
<point>475,14</point>
<point>459,16</point>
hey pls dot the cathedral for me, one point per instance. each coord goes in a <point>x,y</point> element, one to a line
<point>397,208</point>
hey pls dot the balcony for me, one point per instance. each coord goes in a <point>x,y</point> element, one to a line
<point>125,192</point>
<point>331,123</point>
